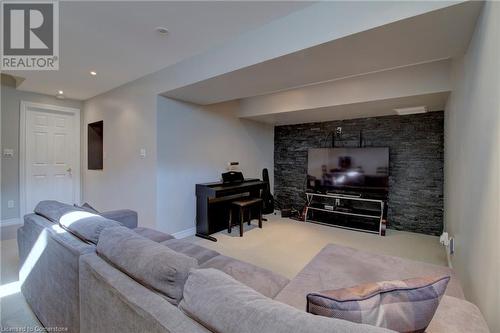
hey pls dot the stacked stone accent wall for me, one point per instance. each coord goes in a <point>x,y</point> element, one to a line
<point>416,145</point>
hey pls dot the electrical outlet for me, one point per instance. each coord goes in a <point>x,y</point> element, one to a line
<point>8,153</point>
<point>444,239</point>
<point>10,204</point>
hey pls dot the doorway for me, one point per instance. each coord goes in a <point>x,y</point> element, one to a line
<point>49,158</point>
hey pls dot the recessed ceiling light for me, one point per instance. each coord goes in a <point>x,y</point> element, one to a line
<point>162,31</point>
<point>411,110</point>
<point>93,73</point>
<point>60,92</point>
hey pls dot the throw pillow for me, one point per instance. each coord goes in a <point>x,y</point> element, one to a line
<point>402,306</point>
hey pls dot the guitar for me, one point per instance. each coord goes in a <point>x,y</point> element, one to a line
<point>267,197</point>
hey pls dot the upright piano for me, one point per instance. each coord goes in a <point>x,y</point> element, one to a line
<point>213,202</point>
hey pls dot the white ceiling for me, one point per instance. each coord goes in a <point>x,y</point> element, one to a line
<point>118,41</point>
<point>439,34</point>
<point>428,78</point>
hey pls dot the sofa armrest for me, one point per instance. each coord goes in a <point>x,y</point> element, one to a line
<point>49,271</point>
<point>457,316</point>
<point>126,217</point>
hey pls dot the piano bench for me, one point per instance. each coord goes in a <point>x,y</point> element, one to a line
<point>242,205</point>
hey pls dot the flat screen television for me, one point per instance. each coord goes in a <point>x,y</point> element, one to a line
<point>348,170</point>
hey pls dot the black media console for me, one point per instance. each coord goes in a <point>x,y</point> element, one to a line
<point>352,212</point>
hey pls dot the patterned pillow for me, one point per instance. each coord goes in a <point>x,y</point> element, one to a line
<point>403,306</point>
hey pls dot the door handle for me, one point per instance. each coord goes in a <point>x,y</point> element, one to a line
<point>69,171</point>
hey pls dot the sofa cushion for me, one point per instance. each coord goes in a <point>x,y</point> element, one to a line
<point>153,265</point>
<point>202,254</point>
<point>53,210</point>
<point>128,218</point>
<point>224,305</point>
<point>154,235</point>
<point>85,225</point>
<point>79,222</point>
<point>262,280</point>
<point>402,306</point>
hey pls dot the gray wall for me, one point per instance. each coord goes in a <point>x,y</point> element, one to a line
<point>416,163</point>
<point>10,105</point>
<point>185,144</point>
<point>129,115</point>
<point>195,143</point>
<point>472,166</point>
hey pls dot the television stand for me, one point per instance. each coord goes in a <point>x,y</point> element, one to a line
<point>351,212</point>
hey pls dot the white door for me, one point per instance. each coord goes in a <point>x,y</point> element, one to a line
<point>51,155</point>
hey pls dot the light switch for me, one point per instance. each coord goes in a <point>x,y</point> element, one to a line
<point>8,153</point>
<point>142,152</point>
<point>10,204</point>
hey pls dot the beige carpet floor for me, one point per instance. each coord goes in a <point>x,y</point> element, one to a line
<point>283,245</point>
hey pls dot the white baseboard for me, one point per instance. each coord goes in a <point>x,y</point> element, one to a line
<point>9,222</point>
<point>185,233</point>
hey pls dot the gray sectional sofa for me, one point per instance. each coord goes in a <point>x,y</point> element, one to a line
<point>141,280</point>
<point>48,262</point>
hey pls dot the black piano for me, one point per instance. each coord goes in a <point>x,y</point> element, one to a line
<point>213,202</point>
